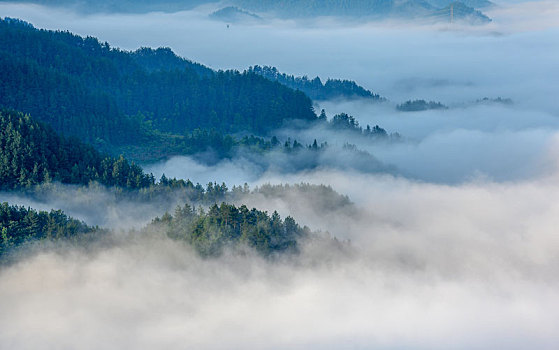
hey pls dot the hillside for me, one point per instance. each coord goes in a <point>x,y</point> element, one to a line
<point>353,8</point>
<point>19,225</point>
<point>459,12</point>
<point>470,3</point>
<point>85,88</point>
<point>232,14</point>
<point>315,88</point>
<point>32,153</point>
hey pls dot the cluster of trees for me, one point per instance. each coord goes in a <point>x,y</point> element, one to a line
<point>419,105</point>
<point>20,225</point>
<point>225,225</point>
<point>343,121</point>
<point>85,88</point>
<point>208,231</point>
<point>32,153</point>
<point>314,88</point>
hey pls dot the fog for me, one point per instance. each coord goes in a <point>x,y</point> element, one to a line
<point>451,240</point>
<point>432,266</point>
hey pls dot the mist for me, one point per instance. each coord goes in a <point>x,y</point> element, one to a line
<point>428,266</point>
<point>449,239</point>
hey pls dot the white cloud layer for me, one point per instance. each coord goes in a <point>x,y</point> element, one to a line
<point>461,251</point>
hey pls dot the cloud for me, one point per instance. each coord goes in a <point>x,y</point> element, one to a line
<point>432,266</point>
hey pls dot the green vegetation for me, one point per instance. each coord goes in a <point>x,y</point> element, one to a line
<point>19,225</point>
<point>85,88</point>
<point>314,88</point>
<point>208,232</point>
<point>31,153</point>
<point>347,122</point>
<point>419,105</point>
<point>228,226</point>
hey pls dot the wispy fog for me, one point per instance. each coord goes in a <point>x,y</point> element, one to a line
<point>452,235</point>
<point>431,266</point>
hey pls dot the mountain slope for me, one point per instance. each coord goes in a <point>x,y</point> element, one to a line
<point>314,88</point>
<point>31,153</point>
<point>87,89</point>
<point>19,225</point>
<point>458,12</point>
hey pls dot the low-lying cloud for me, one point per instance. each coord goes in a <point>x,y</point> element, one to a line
<point>431,266</point>
<point>455,248</point>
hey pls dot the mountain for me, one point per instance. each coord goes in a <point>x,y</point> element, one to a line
<point>32,153</point>
<point>458,12</point>
<point>438,10</point>
<point>233,14</point>
<point>126,6</point>
<point>353,8</point>
<point>470,3</point>
<point>314,88</point>
<point>85,88</point>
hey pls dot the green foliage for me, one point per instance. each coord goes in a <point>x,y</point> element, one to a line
<point>85,88</point>
<point>31,153</point>
<point>347,122</point>
<point>314,88</point>
<point>19,225</point>
<point>419,105</point>
<point>228,226</point>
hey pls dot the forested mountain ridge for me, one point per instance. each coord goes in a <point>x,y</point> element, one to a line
<point>85,88</point>
<point>315,88</point>
<point>32,153</point>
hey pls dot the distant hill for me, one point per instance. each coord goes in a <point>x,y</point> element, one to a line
<point>419,105</point>
<point>354,8</point>
<point>238,10</point>
<point>438,10</point>
<point>471,3</point>
<point>232,14</point>
<point>457,11</point>
<point>314,88</point>
<point>129,6</point>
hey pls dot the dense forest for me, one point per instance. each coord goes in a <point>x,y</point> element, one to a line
<point>228,226</point>
<point>315,88</point>
<point>32,153</point>
<point>85,88</point>
<point>151,104</point>
<point>19,225</point>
